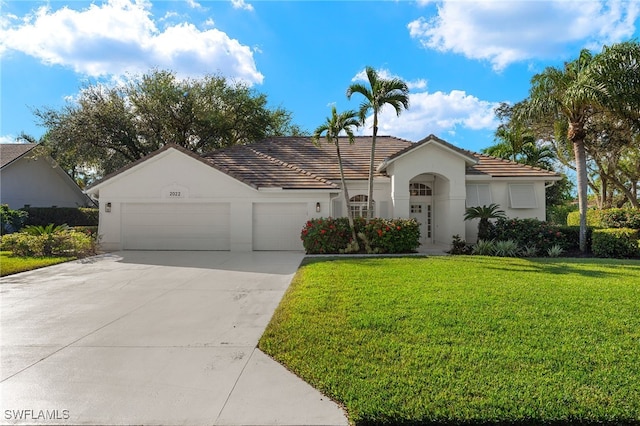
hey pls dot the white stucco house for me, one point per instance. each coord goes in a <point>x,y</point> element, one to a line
<point>259,196</point>
<point>28,178</point>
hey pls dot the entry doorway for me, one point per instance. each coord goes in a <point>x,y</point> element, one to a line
<point>421,211</point>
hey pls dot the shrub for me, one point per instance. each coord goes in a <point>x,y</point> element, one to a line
<point>11,220</point>
<point>484,248</point>
<point>620,218</point>
<point>615,242</point>
<point>529,251</point>
<point>61,243</point>
<point>72,216</point>
<point>528,232</point>
<point>558,214</point>
<point>571,237</point>
<point>555,251</point>
<point>459,246</point>
<point>326,235</point>
<point>593,218</point>
<point>506,248</point>
<point>332,235</point>
<point>390,235</point>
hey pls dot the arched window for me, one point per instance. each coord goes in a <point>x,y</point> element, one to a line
<point>359,205</point>
<point>417,189</point>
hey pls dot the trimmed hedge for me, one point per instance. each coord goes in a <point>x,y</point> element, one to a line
<point>594,218</point>
<point>616,243</point>
<point>609,218</point>
<point>63,243</point>
<point>72,216</point>
<point>531,232</point>
<point>332,235</point>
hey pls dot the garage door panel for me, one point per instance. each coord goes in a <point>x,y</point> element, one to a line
<point>277,226</point>
<point>176,226</point>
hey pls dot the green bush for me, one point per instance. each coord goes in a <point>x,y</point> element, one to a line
<point>11,220</point>
<point>332,235</point>
<point>325,235</point>
<point>571,237</point>
<point>620,218</point>
<point>71,216</point>
<point>61,243</point>
<point>615,242</point>
<point>594,218</point>
<point>558,214</point>
<point>529,233</point>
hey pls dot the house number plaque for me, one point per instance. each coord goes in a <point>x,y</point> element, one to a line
<point>175,191</point>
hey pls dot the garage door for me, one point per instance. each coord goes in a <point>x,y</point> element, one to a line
<point>175,226</point>
<point>277,226</point>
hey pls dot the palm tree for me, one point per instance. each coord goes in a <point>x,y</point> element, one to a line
<point>380,92</point>
<point>587,86</point>
<point>484,213</point>
<point>333,126</point>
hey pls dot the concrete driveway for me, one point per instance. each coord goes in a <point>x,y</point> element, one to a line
<point>158,338</point>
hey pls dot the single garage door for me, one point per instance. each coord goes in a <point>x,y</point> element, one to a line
<point>277,226</point>
<point>175,226</point>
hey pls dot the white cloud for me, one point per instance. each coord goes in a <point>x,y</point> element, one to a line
<point>436,113</point>
<point>504,32</point>
<point>386,74</point>
<point>8,139</point>
<point>121,36</point>
<point>240,4</point>
<point>194,4</point>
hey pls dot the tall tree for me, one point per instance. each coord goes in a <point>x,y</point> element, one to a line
<point>584,87</point>
<point>108,127</point>
<point>332,128</point>
<point>379,93</point>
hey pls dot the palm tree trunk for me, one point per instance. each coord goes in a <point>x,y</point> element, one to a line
<point>347,200</point>
<point>581,171</point>
<point>371,165</point>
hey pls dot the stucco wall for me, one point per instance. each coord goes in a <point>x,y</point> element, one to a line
<point>173,171</point>
<point>450,191</point>
<point>500,196</point>
<point>38,183</point>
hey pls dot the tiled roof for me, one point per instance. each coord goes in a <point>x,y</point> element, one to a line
<point>296,163</point>
<point>498,167</point>
<point>10,152</point>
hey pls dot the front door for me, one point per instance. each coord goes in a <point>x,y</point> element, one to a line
<point>421,211</point>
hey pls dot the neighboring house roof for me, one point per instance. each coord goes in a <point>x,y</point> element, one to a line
<point>298,163</point>
<point>10,152</point>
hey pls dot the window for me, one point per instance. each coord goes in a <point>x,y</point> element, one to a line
<point>522,196</point>
<point>419,189</point>
<point>359,206</point>
<point>478,195</point>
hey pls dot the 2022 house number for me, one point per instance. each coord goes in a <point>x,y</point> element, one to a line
<point>175,194</point>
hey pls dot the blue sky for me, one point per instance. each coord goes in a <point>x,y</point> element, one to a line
<point>461,58</point>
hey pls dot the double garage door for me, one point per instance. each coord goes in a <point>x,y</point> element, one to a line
<point>207,226</point>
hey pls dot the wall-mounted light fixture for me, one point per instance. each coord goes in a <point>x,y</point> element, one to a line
<point>318,207</point>
<point>107,207</point>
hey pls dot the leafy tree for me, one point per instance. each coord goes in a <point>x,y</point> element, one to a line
<point>584,87</point>
<point>332,128</point>
<point>106,128</point>
<point>484,213</point>
<point>379,93</point>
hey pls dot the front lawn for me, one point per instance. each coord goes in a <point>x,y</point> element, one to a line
<point>466,340</point>
<point>10,264</point>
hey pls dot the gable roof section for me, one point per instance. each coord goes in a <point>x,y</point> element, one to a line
<point>469,159</point>
<point>10,152</point>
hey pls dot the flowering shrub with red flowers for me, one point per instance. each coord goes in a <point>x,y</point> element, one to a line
<point>530,232</point>
<point>332,235</point>
<point>325,235</point>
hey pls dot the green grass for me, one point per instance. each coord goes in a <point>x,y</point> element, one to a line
<point>12,264</point>
<point>466,339</point>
